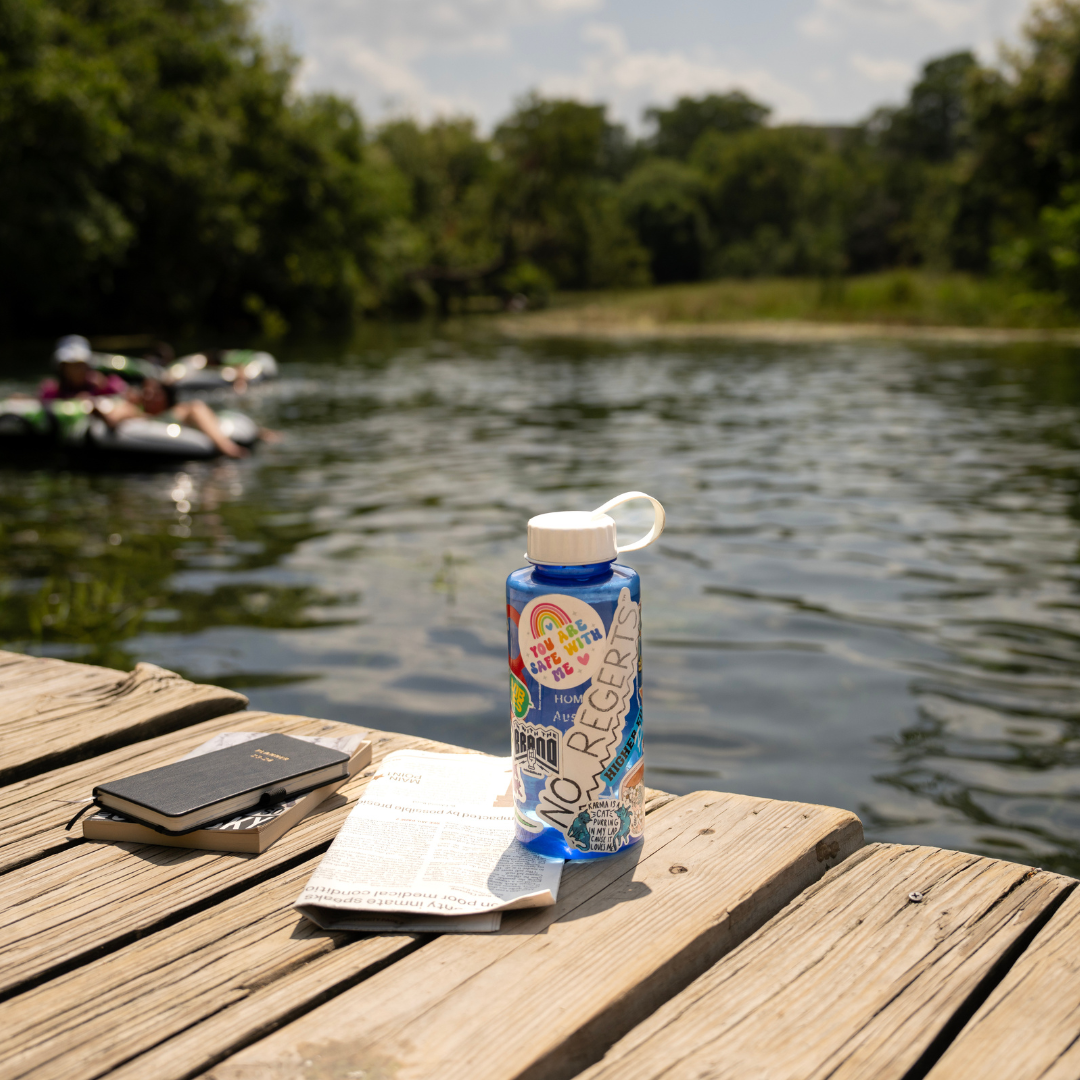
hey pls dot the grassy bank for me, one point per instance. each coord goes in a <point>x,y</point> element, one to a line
<point>899,298</point>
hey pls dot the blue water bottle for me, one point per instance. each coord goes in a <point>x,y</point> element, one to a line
<point>574,621</point>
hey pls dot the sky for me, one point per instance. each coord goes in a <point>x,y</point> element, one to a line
<point>822,61</point>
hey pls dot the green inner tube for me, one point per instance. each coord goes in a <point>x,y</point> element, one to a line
<point>71,425</point>
<point>195,372</point>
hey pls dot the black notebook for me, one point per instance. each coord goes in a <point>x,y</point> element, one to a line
<point>199,791</point>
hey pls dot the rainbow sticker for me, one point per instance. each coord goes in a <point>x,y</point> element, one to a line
<point>547,617</point>
<point>559,641</point>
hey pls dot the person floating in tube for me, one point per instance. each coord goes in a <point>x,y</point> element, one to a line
<point>75,376</point>
<point>155,398</point>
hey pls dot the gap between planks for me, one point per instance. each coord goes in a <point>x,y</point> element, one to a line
<point>190,993</point>
<point>853,979</point>
<point>1029,1026</point>
<point>205,986</point>
<point>193,993</point>
<point>56,712</point>
<point>63,908</point>
<point>66,908</point>
<point>33,812</point>
<point>550,992</point>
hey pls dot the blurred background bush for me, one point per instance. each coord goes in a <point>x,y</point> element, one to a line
<point>158,169</point>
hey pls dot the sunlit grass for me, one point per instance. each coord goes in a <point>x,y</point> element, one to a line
<point>899,297</point>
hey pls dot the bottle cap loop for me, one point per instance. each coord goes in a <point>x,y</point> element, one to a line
<point>659,518</point>
<point>580,538</point>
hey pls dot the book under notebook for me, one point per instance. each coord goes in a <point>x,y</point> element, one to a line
<point>199,791</point>
<point>250,832</point>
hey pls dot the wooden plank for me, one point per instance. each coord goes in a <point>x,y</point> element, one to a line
<point>555,987</point>
<point>62,910</point>
<point>55,713</point>
<point>190,993</point>
<point>1029,1026</point>
<point>174,1004</point>
<point>33,812</point>
<point>853,979</point>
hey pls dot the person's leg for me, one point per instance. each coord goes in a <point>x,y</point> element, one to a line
<point>198,414</point>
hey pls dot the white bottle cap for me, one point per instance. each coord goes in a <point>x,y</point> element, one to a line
<point>580,537</point>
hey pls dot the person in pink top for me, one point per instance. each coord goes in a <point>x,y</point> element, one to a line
<point>76,378</point>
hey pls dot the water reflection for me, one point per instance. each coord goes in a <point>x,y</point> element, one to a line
<point>867,594</point>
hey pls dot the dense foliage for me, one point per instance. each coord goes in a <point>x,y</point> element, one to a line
<point>159,171</point>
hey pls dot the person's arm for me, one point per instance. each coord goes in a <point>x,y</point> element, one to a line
<point>115,410</point>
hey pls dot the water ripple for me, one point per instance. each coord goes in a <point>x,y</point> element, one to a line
<point>868,594</point>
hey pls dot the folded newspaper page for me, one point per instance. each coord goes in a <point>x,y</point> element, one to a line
<point>430,847</point>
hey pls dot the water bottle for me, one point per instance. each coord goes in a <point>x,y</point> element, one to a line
<point>574,624</point>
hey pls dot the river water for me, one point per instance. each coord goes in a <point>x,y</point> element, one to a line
<point>868,593</point>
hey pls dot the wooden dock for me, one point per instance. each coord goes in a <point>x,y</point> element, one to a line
<point>745,939</point>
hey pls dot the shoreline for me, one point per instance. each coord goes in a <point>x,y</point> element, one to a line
<point>780,331</point>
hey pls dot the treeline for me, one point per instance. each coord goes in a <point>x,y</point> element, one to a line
<point>159,172</point>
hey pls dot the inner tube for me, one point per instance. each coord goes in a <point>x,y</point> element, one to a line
<point>149,437</point>
<point>239,427</point>
<point>143,438</point>
<point>198,372</point>
<point>70,425</point>
<point>130,368</point>
<point>27,428</point>
<point>146,438</point>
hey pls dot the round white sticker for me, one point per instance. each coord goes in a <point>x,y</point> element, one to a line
<point>561,640</point>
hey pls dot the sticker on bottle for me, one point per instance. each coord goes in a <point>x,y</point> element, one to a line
<point>561,640</point>
<point>604,739</point>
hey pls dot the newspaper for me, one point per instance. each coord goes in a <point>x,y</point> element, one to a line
<point>430,847</point>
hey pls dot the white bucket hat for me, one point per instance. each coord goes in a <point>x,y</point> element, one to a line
<point>71,350</point>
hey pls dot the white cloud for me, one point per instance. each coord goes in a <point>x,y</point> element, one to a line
<point>570,5</point>
<point>830,60</point>
<point>832,18</point>
<point>882,71</point>
<point>628,79</point>
<point>378,49</point>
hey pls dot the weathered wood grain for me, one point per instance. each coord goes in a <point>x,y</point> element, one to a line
<point>555,987</point>
<point>53,712</point>
<point>170,1006</point>
<point>1029,1026</point>
<point>853,979</point>
<point>194,991</point>
<point>655,798</point>
<point>60,911</point>
<point>33,812</point>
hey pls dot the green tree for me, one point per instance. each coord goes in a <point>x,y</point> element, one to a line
<point>680,127</point>
<point>453,180</point>
<point>934,125</point>
<point>156,164</point>
<point>1019,198</point>
<point>905,166</point>
<point>776,200</point>
<point>60,131</point>
<point>664,202</point>
<point>562,209</point>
